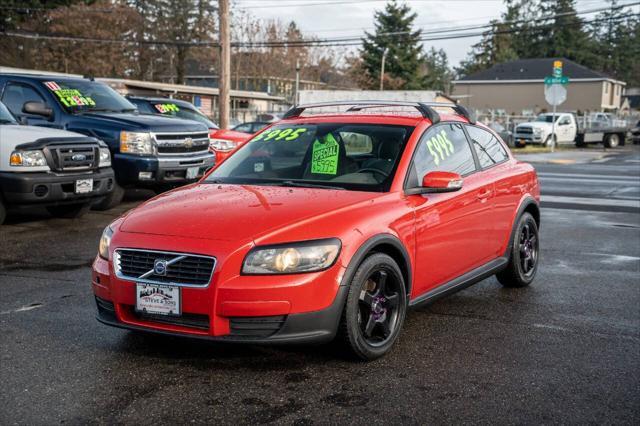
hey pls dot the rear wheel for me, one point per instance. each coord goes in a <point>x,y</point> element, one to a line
<point>112,199</point>
<point>71,211</point>
<point>375,309</point>
<point>612,140</point>
<point>524,256</point>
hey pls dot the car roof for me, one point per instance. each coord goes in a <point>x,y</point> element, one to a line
<point>44,77</point>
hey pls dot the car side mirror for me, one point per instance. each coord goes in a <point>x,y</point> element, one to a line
<point>437,182</point>
<point>37,108</point>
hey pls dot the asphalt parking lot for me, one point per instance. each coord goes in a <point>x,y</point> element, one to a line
<point>565,350</point>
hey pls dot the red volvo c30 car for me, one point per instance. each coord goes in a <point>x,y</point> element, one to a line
<point>325,225</point>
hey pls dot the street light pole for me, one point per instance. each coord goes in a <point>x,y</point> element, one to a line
<point>225,63</point>
<point>296,99</point>
<point>384,58</point>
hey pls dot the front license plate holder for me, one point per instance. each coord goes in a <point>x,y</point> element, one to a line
<point>192,172</point>
<point>158,299</point>
<point>84,186</point>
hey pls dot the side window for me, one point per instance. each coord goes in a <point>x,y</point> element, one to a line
<point>489,149</point>
<point>442,148</point>
<point>564,121</point>
<point>15,95</point>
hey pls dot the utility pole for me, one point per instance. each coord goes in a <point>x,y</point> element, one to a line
<point>225,63</point>
<point>296,99</point>
<point>384,58</point>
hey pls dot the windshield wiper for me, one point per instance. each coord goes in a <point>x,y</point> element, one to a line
<point>306,185</point>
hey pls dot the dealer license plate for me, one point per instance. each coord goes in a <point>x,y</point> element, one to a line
<point>84,186</point>
<point>192,172</point>
<point>158,299</point>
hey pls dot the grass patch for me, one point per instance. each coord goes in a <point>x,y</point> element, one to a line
<point>537,149</point>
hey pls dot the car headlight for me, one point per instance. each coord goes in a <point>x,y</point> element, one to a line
<point>537,131</point>
<point>105,241</point>
<point>27,159</point>
<point>105,157</point>
<point>221,145</point>
<point>136,143</point>
<point>294,258</point>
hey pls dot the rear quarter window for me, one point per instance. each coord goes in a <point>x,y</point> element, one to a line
<point>488,148</point>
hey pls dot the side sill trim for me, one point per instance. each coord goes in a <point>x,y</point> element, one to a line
<point>462,281</point>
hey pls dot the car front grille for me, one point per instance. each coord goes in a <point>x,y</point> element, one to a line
<point>74,157</point>
<point>182,143</point>
<point>524,130</point>
<point>180,268</point>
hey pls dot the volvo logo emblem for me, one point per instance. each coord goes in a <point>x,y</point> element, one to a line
<point>188,142</point>
<point>160,267</point>
<point>78,157</point>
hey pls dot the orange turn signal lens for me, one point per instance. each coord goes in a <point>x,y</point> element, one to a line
<point>15,159</point>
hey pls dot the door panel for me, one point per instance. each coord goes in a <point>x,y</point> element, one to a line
<point>452,229</point>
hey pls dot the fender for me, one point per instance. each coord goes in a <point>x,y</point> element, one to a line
<point>527,201</point>
<point>368,246</point>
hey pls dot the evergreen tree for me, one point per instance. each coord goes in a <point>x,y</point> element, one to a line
<point>404,61</point>
<point>437,75</point>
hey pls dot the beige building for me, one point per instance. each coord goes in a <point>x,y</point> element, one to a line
<point>517,87</point>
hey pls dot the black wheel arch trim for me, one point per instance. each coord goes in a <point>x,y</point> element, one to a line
<point>368,247</point>
<point>524,205</point>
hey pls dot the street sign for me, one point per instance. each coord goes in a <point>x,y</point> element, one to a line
<point>557,69</point>
<point>556,80</point>
<point>555,94</point>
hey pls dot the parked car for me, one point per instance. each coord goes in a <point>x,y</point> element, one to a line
<point>568,130</point>
<point>323,226</point>
<point>147,151</point>
<point>251,127</point>
<point>635,133</point>
<point>63,171</point>
<point>224,142</point>
<point>171,108</point>
<point>502,131</point>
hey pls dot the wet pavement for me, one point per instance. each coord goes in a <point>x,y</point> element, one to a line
<point>564,350</point>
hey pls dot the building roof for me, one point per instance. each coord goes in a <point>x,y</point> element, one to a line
<point>532,70</point>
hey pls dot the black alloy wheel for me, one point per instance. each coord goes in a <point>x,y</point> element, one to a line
<point>375,308</point>
<point>524,256</point>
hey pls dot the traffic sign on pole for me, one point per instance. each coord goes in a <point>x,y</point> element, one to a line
<point>555,93</point>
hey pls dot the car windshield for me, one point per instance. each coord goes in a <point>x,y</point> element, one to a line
<point>547,118</point>
<point>87,95</point>
<point>5,115</point>
<point>329,155</point>
<point>174,110</point>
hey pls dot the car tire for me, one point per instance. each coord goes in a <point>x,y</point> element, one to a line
<point>612,140</point>
<point>3,211</point>
<point>375,308</point>
<point>547,142</point>
<point>524,254</point>
<point>112,199</point>
<point>69,211</point>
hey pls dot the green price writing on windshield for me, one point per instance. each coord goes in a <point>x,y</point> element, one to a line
<point>287,134</point>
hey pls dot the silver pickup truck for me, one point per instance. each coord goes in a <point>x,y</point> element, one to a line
<point>63,171</point>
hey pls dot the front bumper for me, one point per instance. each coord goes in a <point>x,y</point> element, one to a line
<point>300,308</point>
<point>49,188</point>
<point>150,171</point>
<point>527,138</point>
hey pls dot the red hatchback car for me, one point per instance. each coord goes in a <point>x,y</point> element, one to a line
<point>323,226</point>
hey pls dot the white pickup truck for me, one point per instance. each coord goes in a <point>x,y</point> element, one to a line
<point>63,171</point>
<point>569,130</point>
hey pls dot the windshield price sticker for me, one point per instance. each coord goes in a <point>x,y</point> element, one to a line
<point>440,147</point>
<point>167,108</point>
<point>287,134</point>
<point>69,97</point>
<point>324,157</point>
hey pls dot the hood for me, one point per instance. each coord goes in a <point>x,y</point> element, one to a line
<point>231,135</point>
<point>234,212</point>
<point>152,123</point>
<point>536,125</point>
<point>17,134</point>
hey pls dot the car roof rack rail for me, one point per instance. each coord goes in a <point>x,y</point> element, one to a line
<point>426,109</point>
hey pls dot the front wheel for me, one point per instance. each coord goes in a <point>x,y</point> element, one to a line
<point>375,309</point>
<point>524,256</point>
<point>69,211</point>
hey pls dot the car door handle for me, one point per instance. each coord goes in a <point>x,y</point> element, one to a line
<point>485,194</point>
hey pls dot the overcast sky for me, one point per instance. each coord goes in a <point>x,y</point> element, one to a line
<point>336,18</point>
